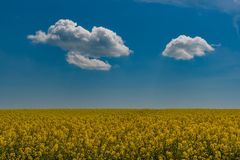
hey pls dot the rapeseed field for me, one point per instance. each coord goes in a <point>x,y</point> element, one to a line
<point>119,134</point>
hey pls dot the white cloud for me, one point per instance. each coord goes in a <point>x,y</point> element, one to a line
<point>87,63</point>
<point>186,48</point>
<point>86,46</point>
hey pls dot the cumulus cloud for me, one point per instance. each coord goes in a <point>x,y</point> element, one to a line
<point>84,47</point>
<point>186,48</point>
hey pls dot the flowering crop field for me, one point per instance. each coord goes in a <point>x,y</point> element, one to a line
<point>119,134</point>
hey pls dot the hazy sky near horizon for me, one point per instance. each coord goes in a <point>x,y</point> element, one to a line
<point>119,53</point>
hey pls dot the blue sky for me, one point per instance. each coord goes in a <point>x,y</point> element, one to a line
<point>132,72</point>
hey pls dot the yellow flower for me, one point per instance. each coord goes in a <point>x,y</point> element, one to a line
<point>119,134</point>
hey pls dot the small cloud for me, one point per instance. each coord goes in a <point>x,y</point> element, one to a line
<point>84,47</point>
<point>186,48</point>
<point>87,63</point>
